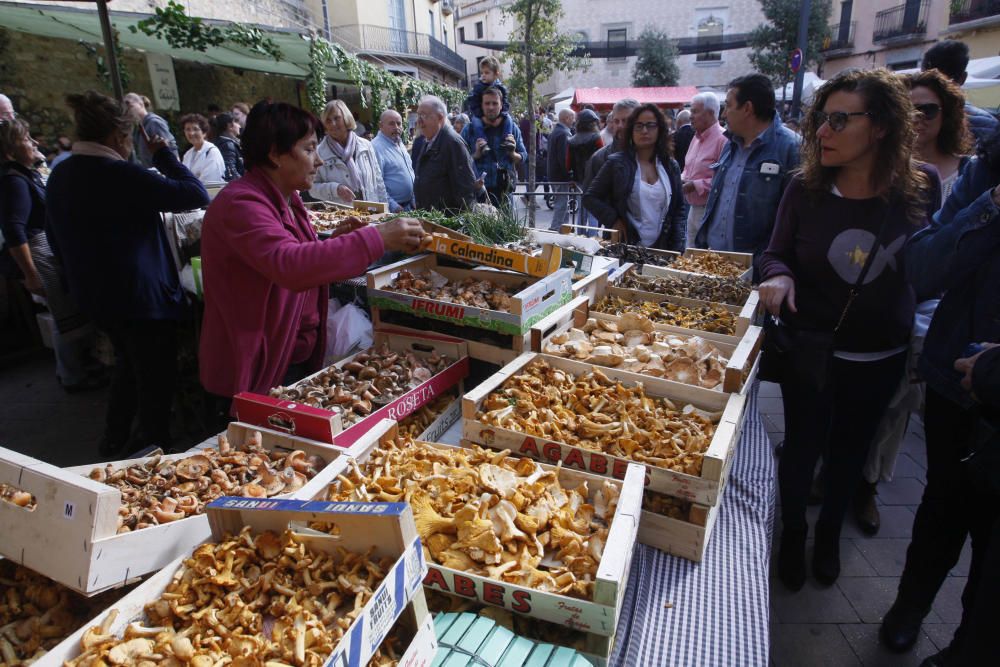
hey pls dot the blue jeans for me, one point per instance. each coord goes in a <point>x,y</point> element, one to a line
<point>560,206</point>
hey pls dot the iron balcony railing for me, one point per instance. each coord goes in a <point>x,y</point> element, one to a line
<point>971,10</point>
<point>841,37</point>
<point>380,39</point>
<point>907,20</point>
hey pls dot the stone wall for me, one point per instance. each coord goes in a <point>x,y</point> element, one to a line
<point>38,72</point>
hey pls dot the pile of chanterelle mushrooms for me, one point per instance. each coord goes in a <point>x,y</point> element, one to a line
<point>213,611</point>
<point>158,490</point>
<point>597,413</point>
<point>490,513</point>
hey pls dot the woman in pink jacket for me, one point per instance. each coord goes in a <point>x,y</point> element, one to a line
<point>266,274</point>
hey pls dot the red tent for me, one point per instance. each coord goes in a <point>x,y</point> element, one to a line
<point>604,98</point>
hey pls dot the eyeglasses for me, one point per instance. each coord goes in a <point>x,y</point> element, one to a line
<point>928,111</point>
<point>645,127</point>
<point>837,120</point>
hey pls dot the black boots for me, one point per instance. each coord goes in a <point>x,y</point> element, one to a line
<point>901,626</point>
<point>826,554</point>
<point>792,558</point>
<point>865,508</point>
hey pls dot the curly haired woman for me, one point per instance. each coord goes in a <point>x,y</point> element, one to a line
<point>859,192</point>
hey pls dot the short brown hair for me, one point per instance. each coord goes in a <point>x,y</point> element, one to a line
<point>491,62</point>
<point>242,106</point>
<point>195,118</point>
<point>96,116</point>
<point>12,132</point>
<point>278,126</point>
<point>954,137</point>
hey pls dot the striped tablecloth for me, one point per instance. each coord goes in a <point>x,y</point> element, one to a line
<point>682,614</point>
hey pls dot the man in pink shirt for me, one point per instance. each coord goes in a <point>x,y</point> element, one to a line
<point>704,151</point>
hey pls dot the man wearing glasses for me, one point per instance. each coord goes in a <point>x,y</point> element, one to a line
<point>444,178</point>
<point>752,171</point>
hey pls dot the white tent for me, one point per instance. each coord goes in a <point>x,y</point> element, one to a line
<point>810,82</point>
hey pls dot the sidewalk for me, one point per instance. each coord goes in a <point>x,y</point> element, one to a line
<point>838,626</point>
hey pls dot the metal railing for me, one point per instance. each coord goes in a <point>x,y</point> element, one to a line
<point>970,10</point>
<point>380,39</point>
<point>841,37</point>
<point>907,20</point>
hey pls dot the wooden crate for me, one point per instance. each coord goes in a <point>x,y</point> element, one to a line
<point>686,539</point>
<point>744,259</point>
<point>324,424</point>
<point>606,233</point>
<point>72,535</point>
<point>538,298</point>
<point>598,617</point>
<point>386,528</point>
<point>538,265</point>
<point>740,369</point>
<point>704,488</point>
<point>749,309</point>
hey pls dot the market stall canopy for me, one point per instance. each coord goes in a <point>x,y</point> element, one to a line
<point>810,83</point>
<point>604,98</point>
<point>77,23</point>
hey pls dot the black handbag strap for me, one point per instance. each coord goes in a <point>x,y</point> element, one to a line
<point>859,283</point>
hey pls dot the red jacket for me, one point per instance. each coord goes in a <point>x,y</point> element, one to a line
<point>262,265</point>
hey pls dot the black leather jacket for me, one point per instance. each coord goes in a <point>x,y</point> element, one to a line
<point>608,195</point>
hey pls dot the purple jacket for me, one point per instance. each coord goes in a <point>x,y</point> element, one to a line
<point>265,272</point>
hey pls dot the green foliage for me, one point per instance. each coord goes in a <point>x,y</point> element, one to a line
<point>772,43</point>
<point>656,64</point>
<point>176,28</point>
<point>100,62</point>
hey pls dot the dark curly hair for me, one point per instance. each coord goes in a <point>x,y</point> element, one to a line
<point>195,118</point>
<point>663,149</point>
<point>887,99</point>
<point>954,137</point>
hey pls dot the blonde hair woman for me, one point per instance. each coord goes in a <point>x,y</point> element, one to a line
<point>350,168</point>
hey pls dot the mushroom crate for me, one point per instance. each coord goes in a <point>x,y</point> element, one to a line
<point>37,614</point>
<point>264,589</point>
<point>538,540</point>
<point>714,289</point>
<point>676,526</point>
<point>99,526</point>
<point>396,377</point>
<point>632,342</point>
<point>600,420</point>
<point>697,261</point>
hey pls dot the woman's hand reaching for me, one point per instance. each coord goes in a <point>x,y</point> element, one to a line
<point>402,234</point>
<point>776,291</point>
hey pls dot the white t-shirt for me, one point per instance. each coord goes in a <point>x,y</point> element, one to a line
<point>206,164</point>
<point>649,204</point>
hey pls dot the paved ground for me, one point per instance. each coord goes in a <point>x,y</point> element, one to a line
<point>838,626</point>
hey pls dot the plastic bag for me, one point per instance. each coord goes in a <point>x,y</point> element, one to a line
<point>348,330</point>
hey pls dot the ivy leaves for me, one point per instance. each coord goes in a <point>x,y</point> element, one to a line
<point>176,28</point>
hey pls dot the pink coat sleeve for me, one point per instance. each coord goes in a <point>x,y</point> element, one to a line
<point>258,236</point>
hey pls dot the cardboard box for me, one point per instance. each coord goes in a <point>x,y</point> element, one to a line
<point>72,535</point>
<point>325,425</point>
<point>540,297</point>
<point>598,616</point>
<point>388,527</point>
<point>743,356</point>
<point>544,264</point>
<point>705,488</point>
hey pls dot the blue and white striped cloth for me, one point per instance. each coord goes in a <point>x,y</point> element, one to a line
<point>678,613</point>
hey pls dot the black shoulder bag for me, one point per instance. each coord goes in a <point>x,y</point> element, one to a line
<point>803,357</point>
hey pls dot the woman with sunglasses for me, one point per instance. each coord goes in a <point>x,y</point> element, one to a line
<point>638,191</point>
<point>943,137</point>
<point>858,198</point>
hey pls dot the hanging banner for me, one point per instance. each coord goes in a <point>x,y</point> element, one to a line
<point>161,73</point>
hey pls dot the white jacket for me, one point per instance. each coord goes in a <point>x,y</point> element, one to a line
<point>207,164</point>
<point>334,173</point>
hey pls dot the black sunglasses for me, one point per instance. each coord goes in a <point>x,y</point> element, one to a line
<point>929,111</point>
<point>837,120</point>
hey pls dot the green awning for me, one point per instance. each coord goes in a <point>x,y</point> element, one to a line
<point>75,23</point>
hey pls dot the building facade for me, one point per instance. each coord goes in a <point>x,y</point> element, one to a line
<point>623,21</point>
<point>883,33</point>
<point>977,23</point>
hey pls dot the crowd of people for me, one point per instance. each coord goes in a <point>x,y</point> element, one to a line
<point>875,234</point>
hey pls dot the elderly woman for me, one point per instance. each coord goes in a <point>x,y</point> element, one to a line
<point>105,227</point>
<point>350,167</point>
<point>203,158</point>
<point>459,121</point>
<point>266,274</point>
<point>22,221</point>
<point>638,190</point>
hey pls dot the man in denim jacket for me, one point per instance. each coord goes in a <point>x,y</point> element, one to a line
<point>752,172</point>
<point>957,255</point>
